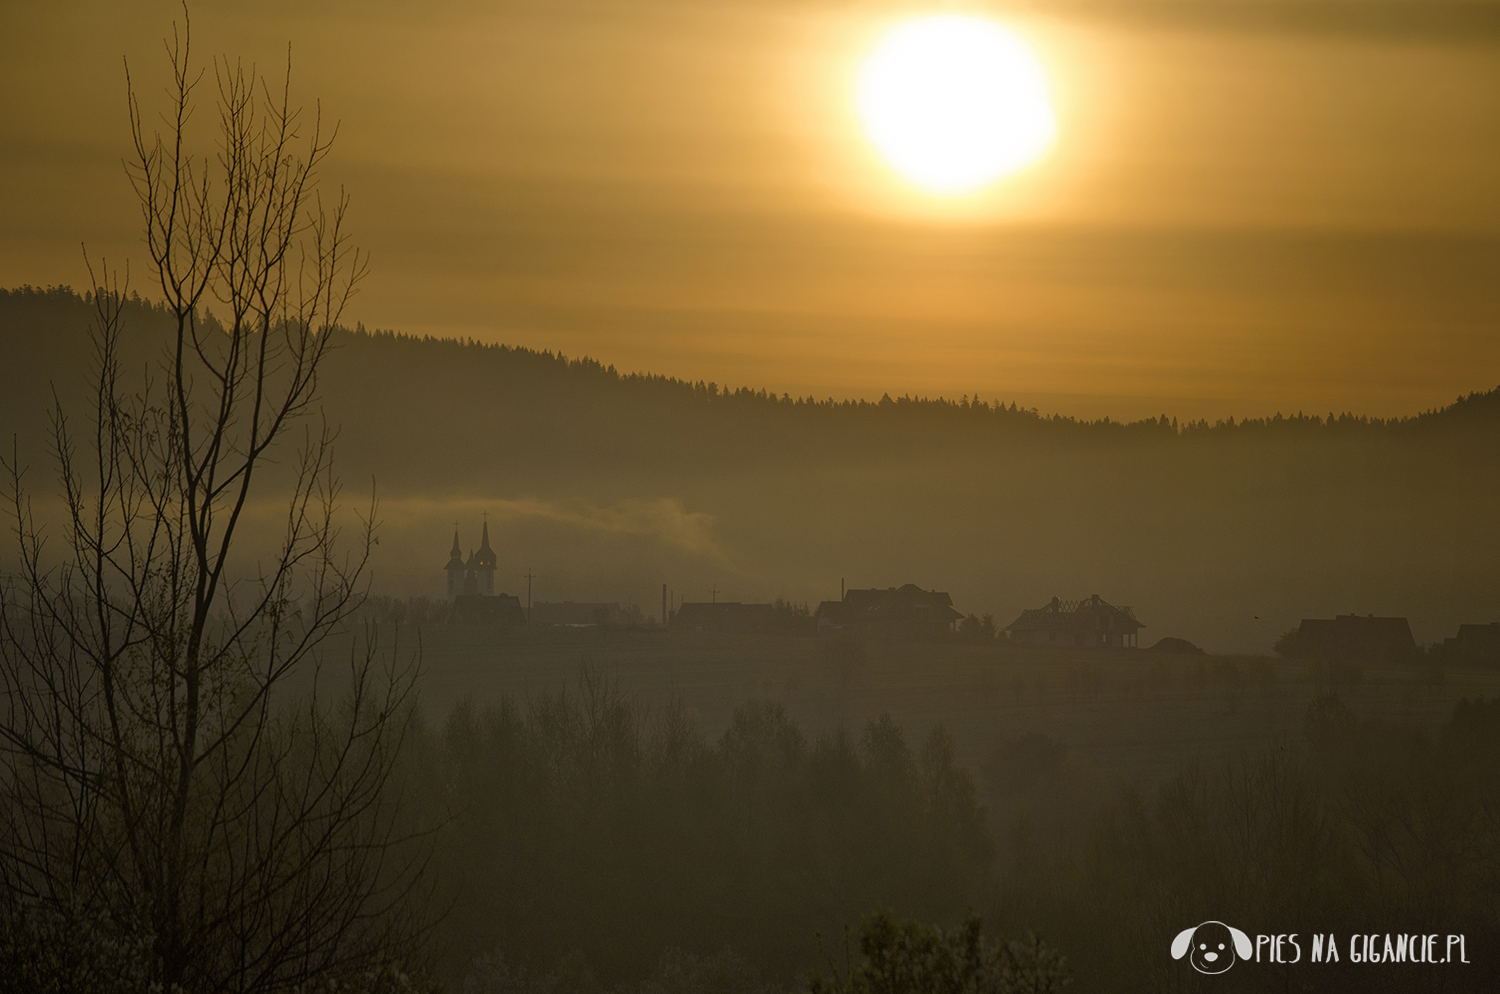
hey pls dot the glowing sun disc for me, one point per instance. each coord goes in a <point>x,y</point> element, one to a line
<point>954,102</point>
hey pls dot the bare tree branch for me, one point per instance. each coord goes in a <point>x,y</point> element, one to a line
<point>155,775</point>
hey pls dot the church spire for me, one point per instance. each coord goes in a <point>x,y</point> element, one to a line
<point>486,555</point>
<point>455,567</point>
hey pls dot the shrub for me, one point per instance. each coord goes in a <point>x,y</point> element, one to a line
<point>908,957</point>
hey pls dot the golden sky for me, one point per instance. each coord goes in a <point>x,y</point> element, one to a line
<point>1252,205</point>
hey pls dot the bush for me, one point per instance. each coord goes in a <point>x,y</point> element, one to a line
<point>907,957</point>
<point>977,629</point>
<point>44,950</point>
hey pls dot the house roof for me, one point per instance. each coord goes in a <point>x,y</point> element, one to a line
<point>721,608</point>
<point>1480,633</point>
<point>1070,616</point>
<point>1351,629</point>
<point>905,603</point>
<point>729,616</point>
<point>1479,638</point>
<point>1358,623</point>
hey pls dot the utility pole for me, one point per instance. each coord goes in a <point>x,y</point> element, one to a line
<point>529,576</point>
<point>713,594</point>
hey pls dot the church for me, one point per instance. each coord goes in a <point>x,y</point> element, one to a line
<point>471,585</point>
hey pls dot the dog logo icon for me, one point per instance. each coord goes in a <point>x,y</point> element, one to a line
<point>1212,946</point>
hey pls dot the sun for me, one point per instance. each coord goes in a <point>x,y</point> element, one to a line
<point>954,102</point>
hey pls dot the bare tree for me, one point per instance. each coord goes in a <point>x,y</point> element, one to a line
<point>158,780</point>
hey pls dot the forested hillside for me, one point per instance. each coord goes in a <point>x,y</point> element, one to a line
<point>608,484</point>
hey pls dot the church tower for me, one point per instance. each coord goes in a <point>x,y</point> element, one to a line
<point>471,580</point>
<point>455,569</point>
<point>471,585</point>
<point>484,564</point>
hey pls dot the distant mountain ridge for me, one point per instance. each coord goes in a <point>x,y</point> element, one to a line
<point>48,327</point>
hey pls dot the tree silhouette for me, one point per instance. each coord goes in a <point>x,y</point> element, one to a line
<point>160,784</point>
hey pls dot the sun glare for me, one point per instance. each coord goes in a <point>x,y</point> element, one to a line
<point>954,102</point>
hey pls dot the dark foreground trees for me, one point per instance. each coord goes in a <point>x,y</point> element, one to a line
<point>594,827</point>
<point>167,805</point>
<point>1352,827</point>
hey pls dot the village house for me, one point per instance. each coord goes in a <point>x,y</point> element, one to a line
<point>576,614</point>
<point>1087,624</point>
<point>1355,638</point>
<point>725,616</point>
<point>891,612</point>
<point>1474,644</point>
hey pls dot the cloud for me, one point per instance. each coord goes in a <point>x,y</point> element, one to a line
<point>1429,20</point>
<point>663,520</point>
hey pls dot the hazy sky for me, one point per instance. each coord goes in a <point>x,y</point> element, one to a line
<point>1251,206</point>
